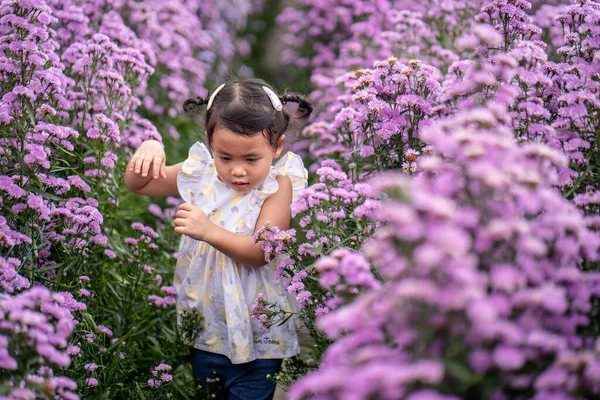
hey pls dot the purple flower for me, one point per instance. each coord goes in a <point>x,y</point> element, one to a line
<point>109,253</point>
<point>366,151</point>
<point>90,367</point>
<point>73,350</point>
<point>104,329</point>
<point>163,367</point>
<point>303,298</point>
<point>508,358</point>
<point>131,241</point>
<point>91,382</point>
<point>166,377</point>
<point>170,290</point>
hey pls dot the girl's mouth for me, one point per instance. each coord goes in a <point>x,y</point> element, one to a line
<point>240,185</point>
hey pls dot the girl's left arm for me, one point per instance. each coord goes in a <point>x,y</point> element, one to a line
<point>276,209</point>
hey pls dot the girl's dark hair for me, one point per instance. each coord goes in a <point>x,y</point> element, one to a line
<point>243,107</point>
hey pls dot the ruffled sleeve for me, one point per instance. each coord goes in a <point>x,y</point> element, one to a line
<point>195,174</point>
<point>292,166</point>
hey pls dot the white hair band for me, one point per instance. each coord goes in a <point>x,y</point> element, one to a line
<point>213,95</point>
<point>275,101</point>
<point>274,98</point>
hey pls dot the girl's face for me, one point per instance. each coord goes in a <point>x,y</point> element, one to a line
<point>243,162</point>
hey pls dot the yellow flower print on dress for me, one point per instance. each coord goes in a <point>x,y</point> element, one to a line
<point>217,217</point>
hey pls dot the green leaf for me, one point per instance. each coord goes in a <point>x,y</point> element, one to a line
<point>139,391</point>
<point>115,359</point>
<point>69,153</point>
<point>104,395</point>
<point>112,289</point>
<point>577,183</point>
<point>120,278</point>
<point>60,169</point>
<point>182,390</point>
<point>46,194</point>
<point>460,372</point>
<point>154,342</point>
<point>5,389</point>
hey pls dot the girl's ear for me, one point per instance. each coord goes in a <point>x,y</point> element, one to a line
<point>280,146</point>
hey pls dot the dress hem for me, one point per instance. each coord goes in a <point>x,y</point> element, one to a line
<point>278,357</point>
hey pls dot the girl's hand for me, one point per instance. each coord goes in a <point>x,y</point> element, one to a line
<point>150,154</point>
<point>191,221</point>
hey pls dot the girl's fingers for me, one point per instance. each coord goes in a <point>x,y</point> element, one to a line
<point>138,160</point>
<point>179,222</point>
<point>146,165</point>
<point>156,166</point>
<point>181,213</point>
<point>141,163</point>
<point>163,169</point>
<point>185,207</point>
<point>131,163</point>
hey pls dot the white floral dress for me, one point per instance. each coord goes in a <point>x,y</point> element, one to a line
<point>219,288</point>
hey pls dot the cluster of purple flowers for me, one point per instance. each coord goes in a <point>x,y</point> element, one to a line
<point>33,79</point>
<point>347,35</point>
<point>358,34</point>
<point>167,300</point>
<point>336,198</point>
<point>10,280</point>
<point>260,312</point>
<point>187,42</point>
<point>160,377</point>
<point>554,97</point>
<point>345,273</point>
<point>379,125</point>
<point>273,240</point>
<point>280,245</point>
<point>479,287</point>
<point>480,257</point>
<point>34,330</point>
<point>42,216</point>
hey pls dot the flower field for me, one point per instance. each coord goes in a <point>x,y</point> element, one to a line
<point>447,246</point>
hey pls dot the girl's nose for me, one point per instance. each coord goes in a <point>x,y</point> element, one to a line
<point>237,171</point>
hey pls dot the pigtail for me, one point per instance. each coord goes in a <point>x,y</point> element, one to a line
<point>304,105</point>
<point>191,105</point>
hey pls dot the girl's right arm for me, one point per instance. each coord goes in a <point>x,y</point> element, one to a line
<point>147,173</point>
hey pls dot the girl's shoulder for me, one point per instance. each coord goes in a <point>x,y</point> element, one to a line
<point>292,166</point>
<point>198,160</point>
<point>196,174</point>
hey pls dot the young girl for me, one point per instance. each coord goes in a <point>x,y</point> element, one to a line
<point>231,189</point>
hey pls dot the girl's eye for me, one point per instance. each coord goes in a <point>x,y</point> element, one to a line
<point>225,158</point>
<point>251,160</point>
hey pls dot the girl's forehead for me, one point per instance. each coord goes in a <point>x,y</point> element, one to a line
<point>227,141</point>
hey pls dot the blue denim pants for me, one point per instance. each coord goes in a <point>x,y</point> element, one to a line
<point>246,381</point>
